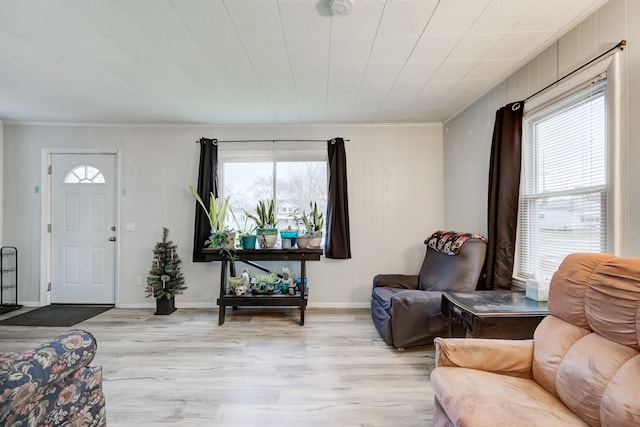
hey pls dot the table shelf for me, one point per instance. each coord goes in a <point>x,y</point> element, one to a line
<point>299,299</point>
<point>8,279</point>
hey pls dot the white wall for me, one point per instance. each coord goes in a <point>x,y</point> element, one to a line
<point>396,183</point>
<point>468,135</point>
<point>1,176</point>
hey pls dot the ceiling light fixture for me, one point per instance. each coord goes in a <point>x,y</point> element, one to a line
<point>341,7</point>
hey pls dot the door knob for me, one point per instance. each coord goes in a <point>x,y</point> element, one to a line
<point>112,238</point>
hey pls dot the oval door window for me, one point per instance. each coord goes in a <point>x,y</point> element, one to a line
<point>84,174</point>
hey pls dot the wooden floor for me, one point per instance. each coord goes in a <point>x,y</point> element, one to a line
<point>258,369</point>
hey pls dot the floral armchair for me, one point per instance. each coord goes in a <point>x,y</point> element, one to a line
<point>53,384</point>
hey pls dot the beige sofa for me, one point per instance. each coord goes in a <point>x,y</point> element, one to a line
<point>581,368</point>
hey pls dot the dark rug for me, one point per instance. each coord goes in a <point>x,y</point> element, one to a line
<point>9,308</point>
<point>56,315</point>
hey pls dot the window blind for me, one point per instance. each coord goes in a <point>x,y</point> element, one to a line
<point>563,194</point>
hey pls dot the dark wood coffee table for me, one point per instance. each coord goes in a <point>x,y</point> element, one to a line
<point>494,314</point>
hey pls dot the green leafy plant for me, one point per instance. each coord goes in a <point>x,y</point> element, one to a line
<point>265,216</point>
<point>267,277</point>
<point>217,211</point>
<point>247,229</point>
<point>218,239</point>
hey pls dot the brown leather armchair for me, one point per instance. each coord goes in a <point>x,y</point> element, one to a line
<point>406,309</point>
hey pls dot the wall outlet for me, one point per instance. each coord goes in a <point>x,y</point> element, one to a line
<point>139,280</point>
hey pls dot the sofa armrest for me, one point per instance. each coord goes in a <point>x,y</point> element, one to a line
<point>507,357</point>
<point>46,364</point>
<point>399,281</point>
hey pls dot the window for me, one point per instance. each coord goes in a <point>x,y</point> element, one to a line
<point>564,190</point>
<point>291,177</point>
<point>84,174</point>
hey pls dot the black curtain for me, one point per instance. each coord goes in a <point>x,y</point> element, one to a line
<point>207,184</point>
<point>504,191</point>
<point>337,243</point>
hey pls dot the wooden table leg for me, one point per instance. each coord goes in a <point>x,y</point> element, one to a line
<point>303,273</point>
<point>223,290</point>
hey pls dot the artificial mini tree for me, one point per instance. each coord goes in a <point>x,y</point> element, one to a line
<point>165,279</point>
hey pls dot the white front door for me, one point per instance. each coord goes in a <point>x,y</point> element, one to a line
<point>83,220</point>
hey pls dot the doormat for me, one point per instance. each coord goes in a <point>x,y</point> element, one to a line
<point>8,308</point>
<point>56,315</point>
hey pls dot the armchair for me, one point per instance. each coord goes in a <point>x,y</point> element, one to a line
<point>406,309</point>
<point>582,367</point>
<point>53,384</point>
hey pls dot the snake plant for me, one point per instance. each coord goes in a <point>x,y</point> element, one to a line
<point>217,211</point>
<point>314,220</point>
<point>265,216</point>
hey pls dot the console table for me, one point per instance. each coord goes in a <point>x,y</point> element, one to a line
<point>299,299</point>
<point>494,314</point>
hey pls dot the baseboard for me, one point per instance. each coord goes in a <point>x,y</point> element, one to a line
<point>178,305</point>
<point>30,303</point>
<point>345,305</point>
<point>339,305</point>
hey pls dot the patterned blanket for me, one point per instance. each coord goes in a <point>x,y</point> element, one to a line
<point>450,242</point>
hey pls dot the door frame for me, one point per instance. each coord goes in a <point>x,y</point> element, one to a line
<point>46,215</point>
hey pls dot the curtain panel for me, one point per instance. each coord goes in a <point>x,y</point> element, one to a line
<point>337,243</point>
<point>207,184</point>
<point>504,192</point>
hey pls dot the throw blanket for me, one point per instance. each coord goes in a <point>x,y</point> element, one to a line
<point>450,242</point>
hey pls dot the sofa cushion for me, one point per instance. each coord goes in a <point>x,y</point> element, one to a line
<point>456,273</point>
<point>585,372</point>
<point>620,405</point>
<point>569,285</point>
<point>553,338</point>
<point>478,396</point>
<point>611,301</point>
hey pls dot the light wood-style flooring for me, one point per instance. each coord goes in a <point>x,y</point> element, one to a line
<point>258,369</point>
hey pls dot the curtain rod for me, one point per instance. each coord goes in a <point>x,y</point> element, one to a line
<point>620,46</point>
<point>215,141</point>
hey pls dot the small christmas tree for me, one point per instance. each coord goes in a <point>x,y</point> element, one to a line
<point>165,279</point>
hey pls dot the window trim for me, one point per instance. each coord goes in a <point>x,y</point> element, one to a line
<point>617,168</point>
<point>273,152</point>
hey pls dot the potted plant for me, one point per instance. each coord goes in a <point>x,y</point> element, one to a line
<point>265,219</point>
<point>246,234</point>
<point>302,238</point>
<point>221,236</point>
<point>313,223</point>
<point>165,279</point>
<point>266,283</point>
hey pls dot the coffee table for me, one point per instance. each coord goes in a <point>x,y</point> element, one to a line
<point>494,314</point>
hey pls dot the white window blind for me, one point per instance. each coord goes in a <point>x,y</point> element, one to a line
<point>563,194</point>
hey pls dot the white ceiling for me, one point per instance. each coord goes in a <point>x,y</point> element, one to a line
<point>264,61</point>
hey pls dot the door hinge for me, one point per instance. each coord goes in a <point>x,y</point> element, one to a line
<point>49,169</point>
<point>49,286</point>
<point>48,228</point>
